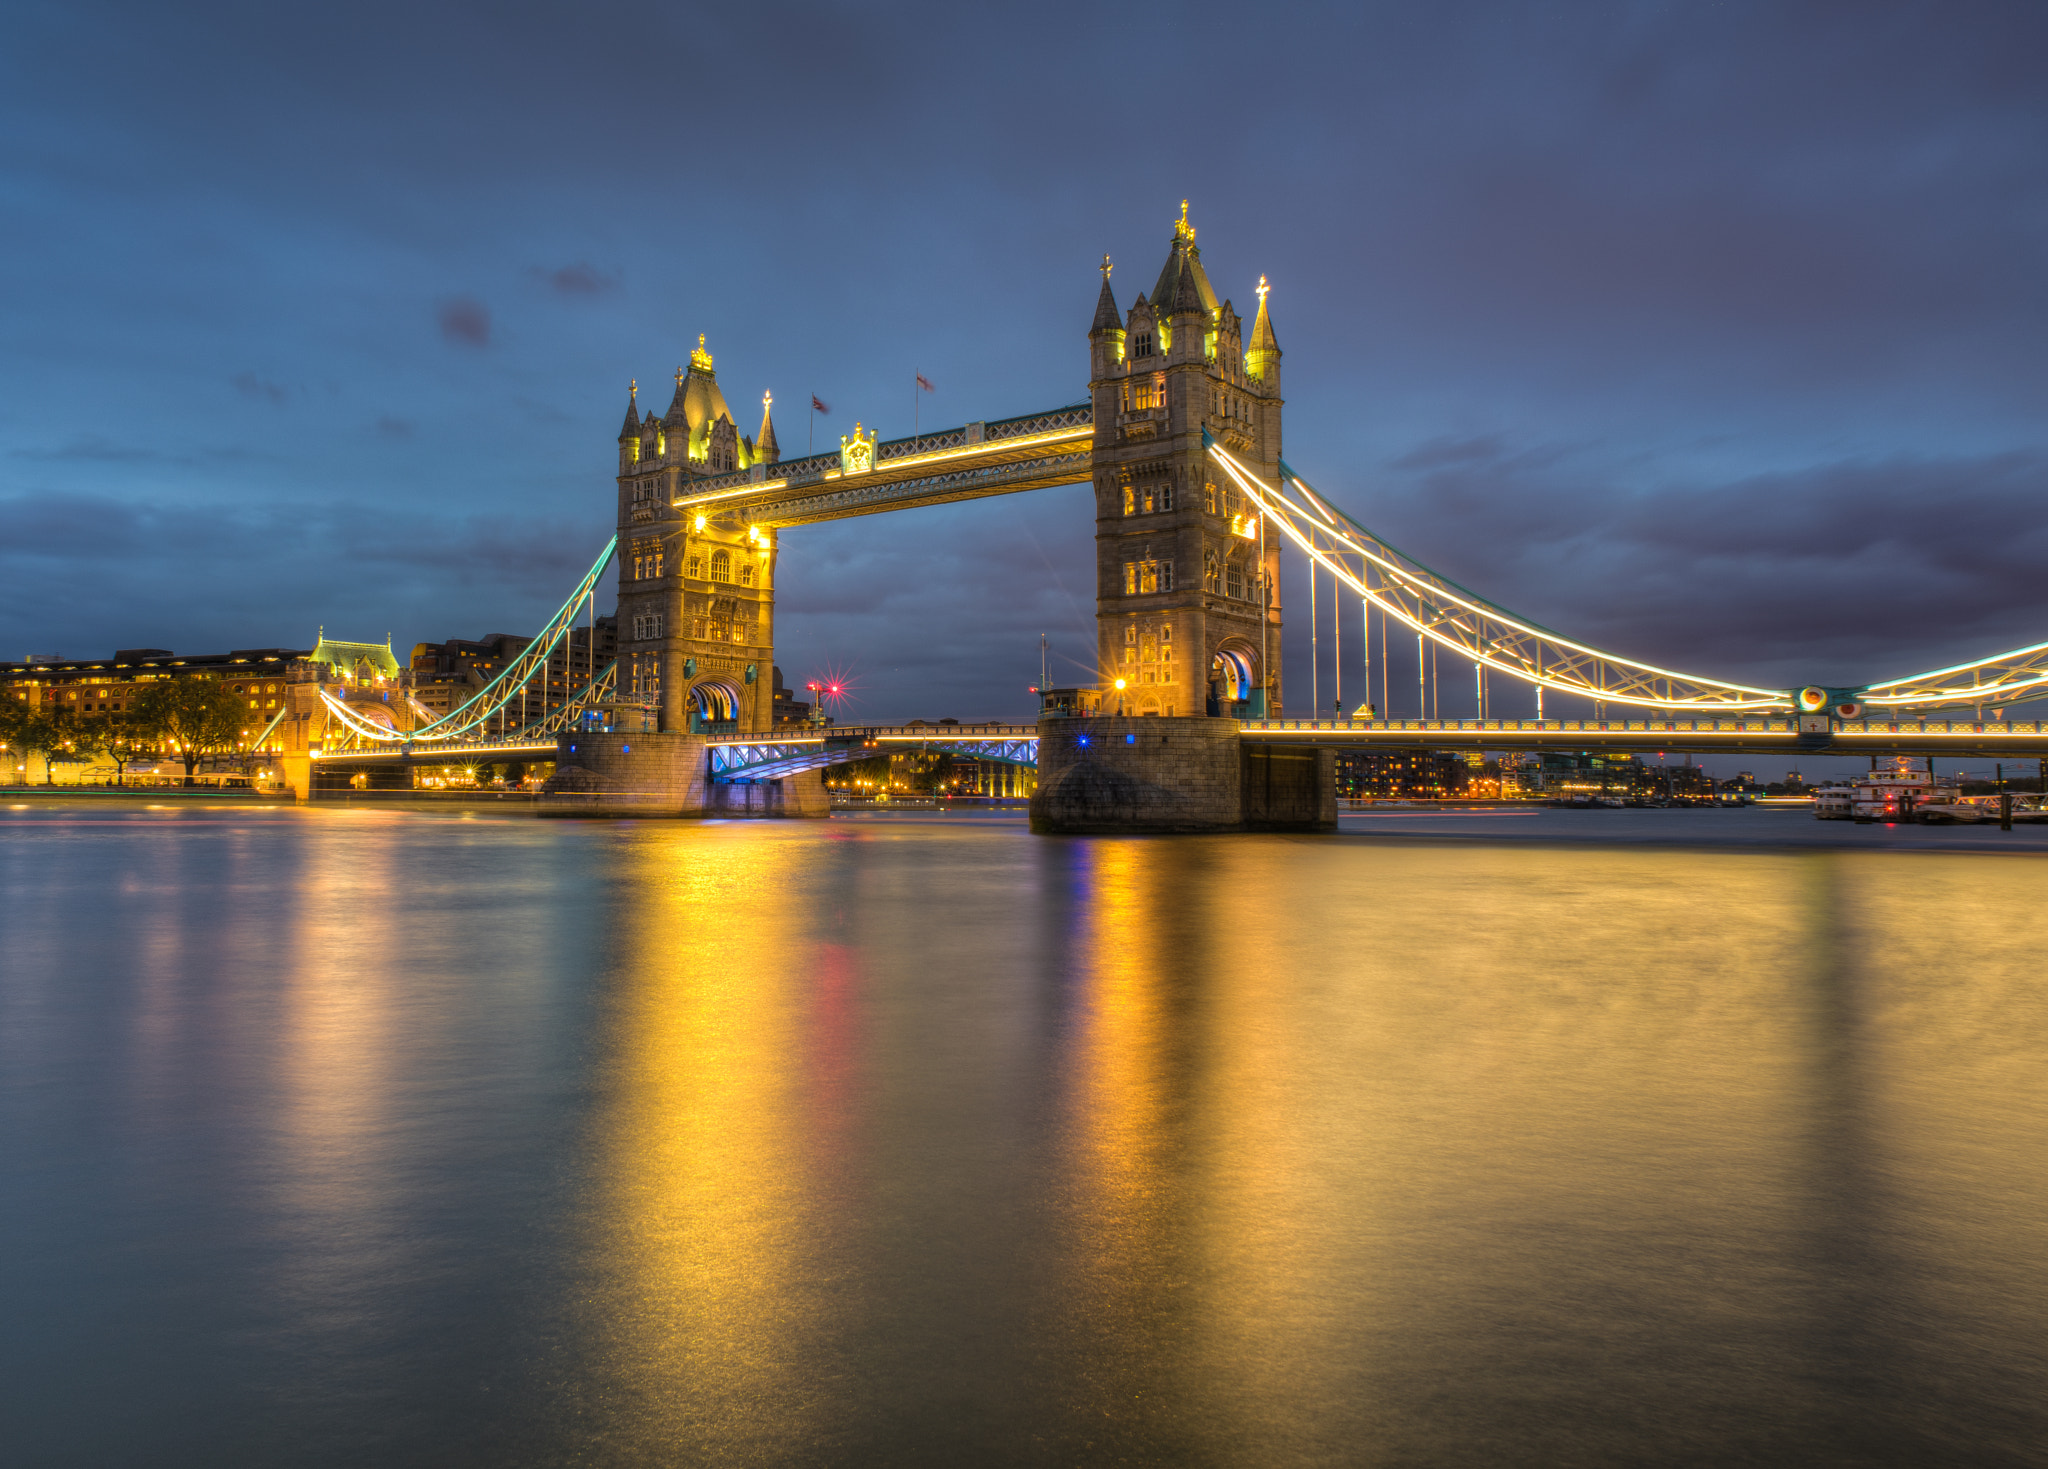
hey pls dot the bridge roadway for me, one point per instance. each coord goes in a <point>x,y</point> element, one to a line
<point>1975,739</point>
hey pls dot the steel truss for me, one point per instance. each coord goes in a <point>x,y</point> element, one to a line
<point>738,761</point>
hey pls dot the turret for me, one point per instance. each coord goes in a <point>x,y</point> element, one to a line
<point>629,433</point>
<point>1106,332</point>
<point>766,450</point>
<point>1262,358</point>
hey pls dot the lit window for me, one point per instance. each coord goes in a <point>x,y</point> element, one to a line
<point>1130,578</point>
<point>1130,501</point>
<point>1209,498</point>
<point>1130,632</point>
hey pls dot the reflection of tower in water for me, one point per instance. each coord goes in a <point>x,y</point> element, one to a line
<point>699,1298</point>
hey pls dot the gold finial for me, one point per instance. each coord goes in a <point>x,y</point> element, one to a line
<point>679,377</point>
<point>700,360</point>
<point>1263,288</point>
<point>633,389</point>
<point>1182,230</point>
<point>1106,267</point>
<point>767,399</point>
<point>700,341</point>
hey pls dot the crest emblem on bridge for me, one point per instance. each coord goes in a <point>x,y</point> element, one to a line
<point>857,453</point>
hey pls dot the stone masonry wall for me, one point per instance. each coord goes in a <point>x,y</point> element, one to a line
<point>1137,774</point>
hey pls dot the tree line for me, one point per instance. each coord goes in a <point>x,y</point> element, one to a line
<point>189,718</point>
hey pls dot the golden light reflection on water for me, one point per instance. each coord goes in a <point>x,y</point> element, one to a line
<point>1354,1154</point>
<point>698,1240</point>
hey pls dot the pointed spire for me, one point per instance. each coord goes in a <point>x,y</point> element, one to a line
<point>765,447</point>
<point>1107,318</point>
<point>1262,357</point>
<point>632,425</point>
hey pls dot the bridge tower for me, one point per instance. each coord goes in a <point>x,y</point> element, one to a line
<point>1187,605</point>
<point>696,590</point>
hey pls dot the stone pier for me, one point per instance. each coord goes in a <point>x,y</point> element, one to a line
<point>654,774</point>
<point>1111,774</point>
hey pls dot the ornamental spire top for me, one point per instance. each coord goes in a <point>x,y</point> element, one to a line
<point>700,360</point>
<point>1183,232</point>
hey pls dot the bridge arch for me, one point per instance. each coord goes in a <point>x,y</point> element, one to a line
<point>1233,671</point>
<point>712,701</point>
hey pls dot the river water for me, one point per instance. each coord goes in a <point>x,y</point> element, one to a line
<point>394,1137</point>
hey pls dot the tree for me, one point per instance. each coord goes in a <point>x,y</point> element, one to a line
<point>34,732</point>
<point>111,735</point>
<point>195,716</point>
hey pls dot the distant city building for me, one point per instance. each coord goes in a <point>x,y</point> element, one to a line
<point>1402,774</point>
<point>789,709</point>
<point>444,676</point>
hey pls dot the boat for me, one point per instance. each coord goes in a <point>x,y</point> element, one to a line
<point>1834,802</point>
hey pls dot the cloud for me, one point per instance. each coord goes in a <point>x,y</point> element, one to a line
<point>578,279</point>
<point>249,385</point>
<point>466,322</point>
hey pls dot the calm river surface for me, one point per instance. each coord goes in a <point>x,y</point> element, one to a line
<point>396,1137</point>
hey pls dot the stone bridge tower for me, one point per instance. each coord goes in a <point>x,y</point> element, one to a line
<point>1187,581</point>
<point>696,592</point>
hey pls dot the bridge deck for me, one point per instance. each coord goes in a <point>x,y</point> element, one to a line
<point>1990,738</point>
<point>965,463</point>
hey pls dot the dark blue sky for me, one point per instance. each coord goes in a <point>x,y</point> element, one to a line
<point>1715,334</point>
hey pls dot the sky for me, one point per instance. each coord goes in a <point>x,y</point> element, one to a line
<point>1715,334</point>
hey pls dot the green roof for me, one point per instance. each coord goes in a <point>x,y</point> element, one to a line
<point>337,654</point>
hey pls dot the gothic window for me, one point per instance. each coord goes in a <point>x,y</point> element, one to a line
<point>696,627</point>
<point>1209,498</point>
<point>1148,576</point>
<point>694,568</point>
<point>739,632</point>
<point>721,566</point>
<point>718,629</point>
<point>746,575</point>
<point>1142,346</point>
<point>1166,636</point>
<point>1130,501</point>
<point>1148,650</point>
<point>1130,632</point>
<point>1233,581</point>
<point>1130,578</point>
<point>1166,576</point>
<point>1148,499</point>
<point>1165,497</point>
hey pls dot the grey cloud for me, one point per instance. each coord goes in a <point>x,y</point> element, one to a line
<point>465,321</point>
<point>578,279</point>
<point>250,385</point>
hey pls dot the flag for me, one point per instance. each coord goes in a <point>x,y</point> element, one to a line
<point>817,405</point>
<point>925,383</point>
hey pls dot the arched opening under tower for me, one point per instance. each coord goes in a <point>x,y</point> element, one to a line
<point>1233,681</point>
<point>714,707</point>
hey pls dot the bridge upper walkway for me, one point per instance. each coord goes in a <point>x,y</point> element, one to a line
<point>970,462</point>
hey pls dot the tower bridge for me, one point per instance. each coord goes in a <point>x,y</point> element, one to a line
<point>1180,436</point>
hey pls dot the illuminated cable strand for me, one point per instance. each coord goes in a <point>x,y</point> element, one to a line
<point>1446,613</point>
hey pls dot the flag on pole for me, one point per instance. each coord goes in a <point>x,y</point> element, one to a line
<point>818,405</point>
<point>925,383</point>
